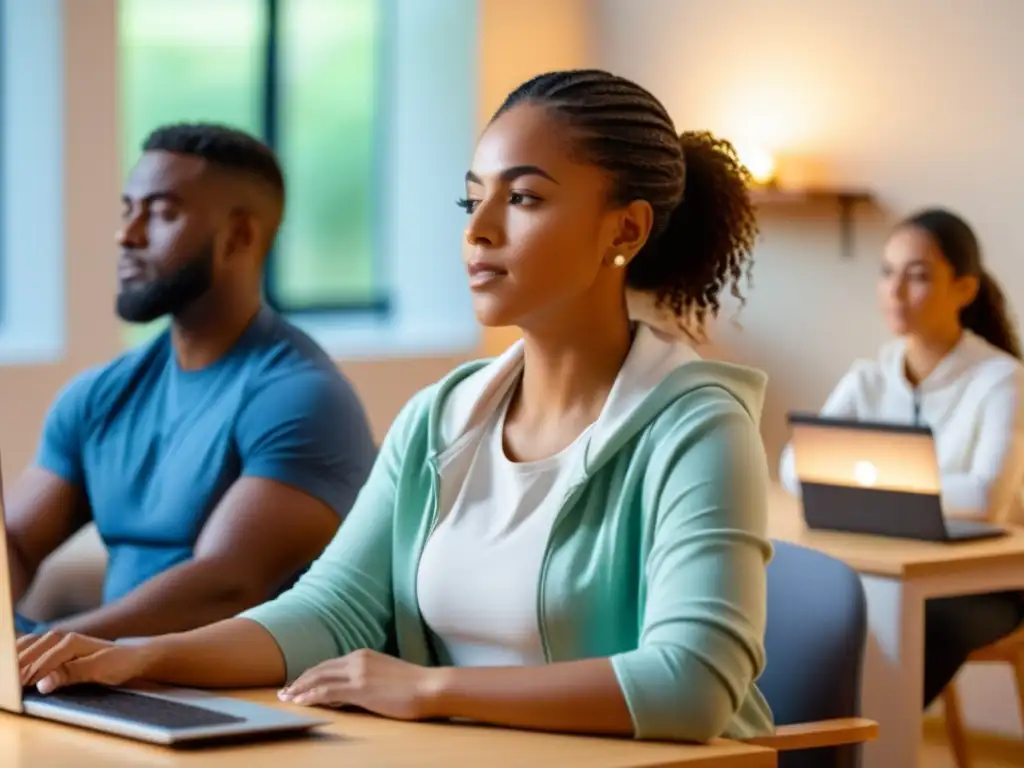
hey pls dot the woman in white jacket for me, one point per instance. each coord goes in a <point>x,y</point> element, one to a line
<point>956,367</point>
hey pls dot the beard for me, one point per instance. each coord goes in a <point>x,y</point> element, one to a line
<point>168,295</point>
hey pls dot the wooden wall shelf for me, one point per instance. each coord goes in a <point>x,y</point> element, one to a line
<point>845,199</point>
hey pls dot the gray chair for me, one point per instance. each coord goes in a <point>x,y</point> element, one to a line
<point>817,631</point>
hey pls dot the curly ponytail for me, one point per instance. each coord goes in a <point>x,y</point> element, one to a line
<point>708,240</point>
<point>705,225</point>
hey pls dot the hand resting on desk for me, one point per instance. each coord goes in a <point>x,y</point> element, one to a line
<point>372,681</point>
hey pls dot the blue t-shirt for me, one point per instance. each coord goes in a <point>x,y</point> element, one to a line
<point>156,447</point>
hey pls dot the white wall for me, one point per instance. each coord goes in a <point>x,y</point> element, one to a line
<point>918,100</point>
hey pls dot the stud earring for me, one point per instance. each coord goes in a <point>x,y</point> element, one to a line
<point>619,260</point>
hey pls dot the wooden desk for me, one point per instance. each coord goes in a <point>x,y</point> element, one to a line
<point>898,577</point>
<point>897,558</point>
<point>367,742</point>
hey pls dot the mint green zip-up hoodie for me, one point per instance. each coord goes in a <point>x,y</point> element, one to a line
<point>657,558</point>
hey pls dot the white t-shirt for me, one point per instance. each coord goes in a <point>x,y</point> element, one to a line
<point>973,403</point>
<point>478,582</point>
<point>479,574</point>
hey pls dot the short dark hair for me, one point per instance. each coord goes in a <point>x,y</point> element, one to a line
<point>705,224</point>
<point>989,315</point>
<point>222,146</point>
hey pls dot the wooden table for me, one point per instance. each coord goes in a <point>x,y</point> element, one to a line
<point>899,576</point>
<point>367,742</point>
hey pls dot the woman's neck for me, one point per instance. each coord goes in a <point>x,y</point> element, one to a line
<point>569,368</point>
<point>922,355</point>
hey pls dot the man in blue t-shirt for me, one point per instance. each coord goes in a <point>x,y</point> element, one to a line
<point>218,460</point>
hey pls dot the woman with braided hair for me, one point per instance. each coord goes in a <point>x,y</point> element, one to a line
<point>570,537</point>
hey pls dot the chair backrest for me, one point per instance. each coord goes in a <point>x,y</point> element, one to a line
<point>814,644</point>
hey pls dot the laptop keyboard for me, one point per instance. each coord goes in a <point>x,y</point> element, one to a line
<point>966,529</point>
<point>133,707</point>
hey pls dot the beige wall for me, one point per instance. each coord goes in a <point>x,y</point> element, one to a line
<point>518,40</point>
<point>917,100</point>
<point>92,190</point>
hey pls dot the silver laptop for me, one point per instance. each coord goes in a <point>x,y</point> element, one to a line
<point>874,478</point>
<point>171,716</point>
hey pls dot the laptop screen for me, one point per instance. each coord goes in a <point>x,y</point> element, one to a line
<point>892,457</point>
<point>10,676</point>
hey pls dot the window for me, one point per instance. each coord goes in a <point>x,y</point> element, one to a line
<point>31,162</point>
<point>300,74</point>
<point>371,106</point>
<point>324,127</point>
<point>214,51</point>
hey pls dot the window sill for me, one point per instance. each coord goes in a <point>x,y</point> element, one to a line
<point>367,337</point>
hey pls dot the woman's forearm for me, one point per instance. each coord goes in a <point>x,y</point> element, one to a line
<point>570,697</point>
<point>235,653</point>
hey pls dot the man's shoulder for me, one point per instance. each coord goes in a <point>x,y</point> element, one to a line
<point>100,383</point>
<point>277,349</point>
<point>288,376</point>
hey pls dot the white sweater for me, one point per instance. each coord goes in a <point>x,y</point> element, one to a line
<point>972,402</point>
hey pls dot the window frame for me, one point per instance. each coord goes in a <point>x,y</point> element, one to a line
<point>378,306</point>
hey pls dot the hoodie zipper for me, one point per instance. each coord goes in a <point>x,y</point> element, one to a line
<point>567,501</point>
<point>435,486</point>
<point>917,407</point>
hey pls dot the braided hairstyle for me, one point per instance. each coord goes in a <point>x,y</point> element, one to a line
<point>704,225</point>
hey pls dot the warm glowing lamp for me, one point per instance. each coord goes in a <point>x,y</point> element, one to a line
<point>759,162</point>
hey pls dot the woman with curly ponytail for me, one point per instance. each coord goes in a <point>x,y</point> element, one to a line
<point>571,537</point>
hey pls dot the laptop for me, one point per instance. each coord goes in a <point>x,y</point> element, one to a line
<point>168,716</point>
<point>874,478</point>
